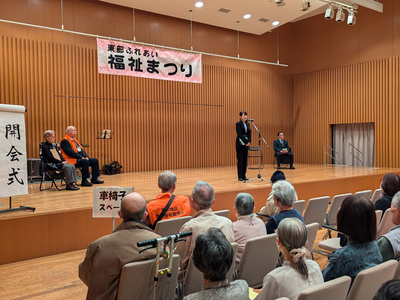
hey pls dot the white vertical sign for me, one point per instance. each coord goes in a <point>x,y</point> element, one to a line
<point>107,201</point>
<point>13,157</point>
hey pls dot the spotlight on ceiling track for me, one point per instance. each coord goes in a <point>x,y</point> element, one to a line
<point>351,19</point>
<point>305,5</point>
<point>280,2</point>
<point>340,15</point>
<point>329,13</point>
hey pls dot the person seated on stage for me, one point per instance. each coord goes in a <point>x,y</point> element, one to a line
<point>247,225</point>
<point>297,273</point>
<point>74,153</point>
<point>270,208</point>
<point>390,185</point>
<point>179,206</point>
<point>284,196</point>
<point>357,220</point>
<point>105,257</point>
<point>213,257</point>
<point>389,243</point>
<point>202,198</point>
<point>390,290</point>
<point>281,148</point>
<point>51,155</point>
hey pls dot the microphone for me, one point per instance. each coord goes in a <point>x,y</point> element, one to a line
<point>251,120</point>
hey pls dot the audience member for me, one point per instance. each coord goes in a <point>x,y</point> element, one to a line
<point>284,196</point>
<point>213,256</point>
<point>389,243</point>
<point>390,290</point>
<point>390,185</point>
<point>247,225</point>
<point>52,156</point>
<point>281,148</point>
<point>74,153</point>
<point>166,205</point>
<point>203,197</point>
<point>105,257</point>
<point>296,273</point>
<point>357,220</point>
<point>270,208</point>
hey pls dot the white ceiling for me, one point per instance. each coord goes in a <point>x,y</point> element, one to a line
<point>209,13</point>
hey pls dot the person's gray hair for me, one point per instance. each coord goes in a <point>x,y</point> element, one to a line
<point>48,133</point>
<point>292,234</point>
<point>284,192</point>
<point>244,204</point>
<point>166,180</point>
<point>396,200</point>
<point>69,129</point>
<point>203,194</point>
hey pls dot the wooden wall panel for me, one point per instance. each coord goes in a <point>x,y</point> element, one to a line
<point>365,92</point>
<point>157,124</point>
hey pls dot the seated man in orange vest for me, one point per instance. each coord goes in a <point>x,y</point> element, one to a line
<point>74,153</point>
<point>179,206</point>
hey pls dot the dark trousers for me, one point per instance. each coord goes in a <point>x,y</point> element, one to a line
<point>280,155</point>
<point>242,161</point>
<point>84,164</point>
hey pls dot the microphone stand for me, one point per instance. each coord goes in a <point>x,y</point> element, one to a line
<point>260,137</point>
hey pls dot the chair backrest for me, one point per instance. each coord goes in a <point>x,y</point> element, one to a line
<point>299,205</point>
<point>335,289</point>
<point>170,226</point>
<point>385,224</point>
<point>312,230</point>
<point>137,280</point>
<point>336,203</point>
<point>260,256</point>
<point>376,195</point>
<point>222,213</point>
<point>194,278</point>
<point>363,194</point>
<point>378,214</point>
<point>316,210</point>
<point>368,281</point>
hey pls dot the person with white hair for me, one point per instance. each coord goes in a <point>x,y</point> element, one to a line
<point>284,196</point>
<point>389,243</point>
<point>74,153</point>
<point>297,272</point>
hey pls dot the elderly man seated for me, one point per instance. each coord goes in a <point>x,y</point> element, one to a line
<point>247,225</point>
<point>203,197</point>
<point>389,243</point>
<point>213,256</point>
<point>284,196</point>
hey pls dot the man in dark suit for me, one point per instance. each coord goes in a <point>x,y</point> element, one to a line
<point>243,142</point>
<point>281,147</point>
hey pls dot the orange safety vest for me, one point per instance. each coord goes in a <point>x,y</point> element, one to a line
<point>70,159</point>
<point>180,207</point>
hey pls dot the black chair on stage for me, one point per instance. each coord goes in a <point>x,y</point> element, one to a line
<point>50,171</point>
<point>285,160</point>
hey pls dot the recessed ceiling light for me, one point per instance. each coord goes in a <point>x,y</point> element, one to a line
<point>274,23</point>
<point>247,16</point>
<point>199,4</point>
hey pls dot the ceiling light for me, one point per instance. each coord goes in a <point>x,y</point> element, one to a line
<point>340,15</point>
<point>329,13</point>
<point>275,23</point>
<point>199,4</point>
<point>351,19</point>
<point>247,16</point>
<point>305,5</point>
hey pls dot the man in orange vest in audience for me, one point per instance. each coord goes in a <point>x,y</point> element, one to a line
<point>166,205</point>
<point>74,153</point>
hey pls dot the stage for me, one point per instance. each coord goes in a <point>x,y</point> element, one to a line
<point>63,220</point>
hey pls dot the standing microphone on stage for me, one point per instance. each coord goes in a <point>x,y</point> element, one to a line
<point>251,120</point>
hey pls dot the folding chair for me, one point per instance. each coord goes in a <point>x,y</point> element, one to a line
<point>368,281</point>
<point>312,230</point>
<point>222,213</point>
<point>363,194</point>
<point>335,289</point>
<point>316,210</point>
<point>385,224</point>
<point>51,171</point>
<point>260,256</point>
<point>137,280</point>
<point>170,226</point>
<point>336,203</point>
<point>299,205</point>
<point>376,195</point>
<point>194,278</point>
